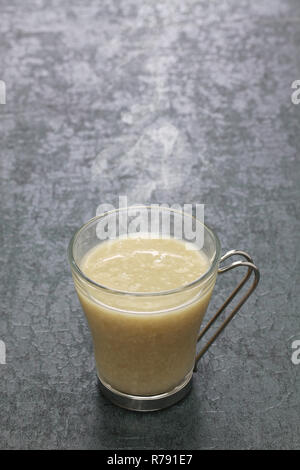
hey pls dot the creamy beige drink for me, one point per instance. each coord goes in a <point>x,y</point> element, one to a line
<point>144,344</point>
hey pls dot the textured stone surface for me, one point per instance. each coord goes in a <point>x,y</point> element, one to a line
<point>163,102</point>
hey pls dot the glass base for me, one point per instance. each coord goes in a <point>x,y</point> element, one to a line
<point>147,403</point>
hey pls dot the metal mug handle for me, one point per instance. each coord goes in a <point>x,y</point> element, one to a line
<point>236,264</point>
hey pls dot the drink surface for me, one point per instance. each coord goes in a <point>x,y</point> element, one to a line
<point>137,264</point>
<point>144,345</point>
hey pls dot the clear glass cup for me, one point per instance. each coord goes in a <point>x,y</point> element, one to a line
<point>145,343</point>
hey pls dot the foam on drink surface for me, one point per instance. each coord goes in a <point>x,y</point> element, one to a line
<point>137,264</point>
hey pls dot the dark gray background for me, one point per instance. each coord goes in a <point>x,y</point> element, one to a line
<point>167,102</point>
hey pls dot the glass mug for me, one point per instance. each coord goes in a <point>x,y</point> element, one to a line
<point>145,342</point>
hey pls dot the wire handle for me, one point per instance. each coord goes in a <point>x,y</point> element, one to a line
<point>251,269</point>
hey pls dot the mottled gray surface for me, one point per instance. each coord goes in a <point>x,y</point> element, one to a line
<point>174,101</point>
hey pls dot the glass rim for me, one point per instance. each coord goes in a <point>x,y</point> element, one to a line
<point>110,290</point>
